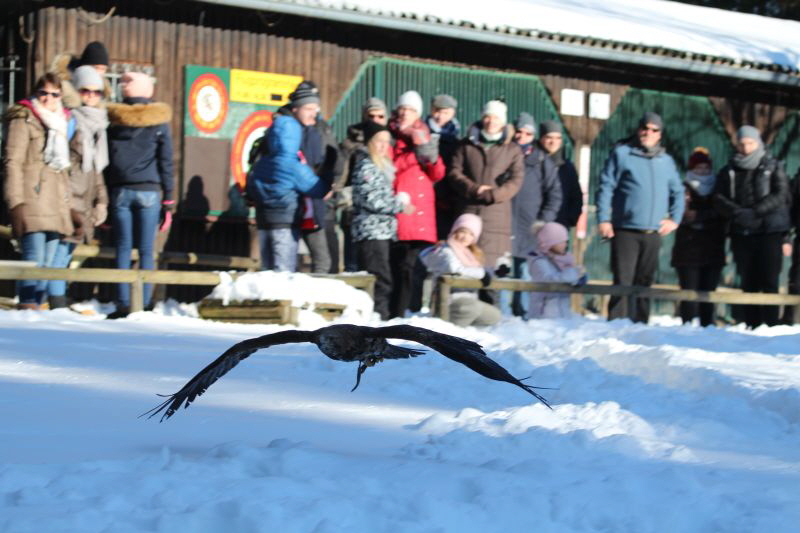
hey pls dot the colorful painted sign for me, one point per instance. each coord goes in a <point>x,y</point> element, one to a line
<point>208,102</point>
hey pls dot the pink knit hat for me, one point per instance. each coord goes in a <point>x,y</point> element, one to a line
<point>549,235</point>
<point>137,85</point>
<point>468,221</point>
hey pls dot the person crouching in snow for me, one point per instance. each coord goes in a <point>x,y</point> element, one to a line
<point>460,255</point>
<point>551,262</point>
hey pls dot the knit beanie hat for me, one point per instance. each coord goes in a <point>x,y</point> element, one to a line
<point>95,53</point>
<point>410,99</point>
<point>371,129</point>
<point>305,93</point>
<point>525,122</point>
<point>137,85</point>
<point>468,221</point>
<point>86,77</point>
<point>444,101</point>
<point>373,103</point>
<point>550,126</point>
<point>550,234</point>
<point>749,132</point>
<point>649,117</point>
<point>496,108</point>
<point>699,155</point>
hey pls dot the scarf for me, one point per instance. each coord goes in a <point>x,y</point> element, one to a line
<point>92,124</point>
<point>750,161</point>
<point>56,148</point>
<point>415,134</point>
<point>491,138</point>
<point>650,152</point>
<point>463,253</point>
<point>702,184</point>
<point>451,130</point>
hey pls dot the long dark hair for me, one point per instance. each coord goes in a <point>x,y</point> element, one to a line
<point>50,78</point>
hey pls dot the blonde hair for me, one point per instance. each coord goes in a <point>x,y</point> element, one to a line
<point>382,161</point>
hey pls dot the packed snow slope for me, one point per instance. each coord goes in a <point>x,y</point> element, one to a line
<point>659,428</point>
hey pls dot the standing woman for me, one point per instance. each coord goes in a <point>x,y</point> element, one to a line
<point>752,191</point>
<point>89,157</point>
<point>36,187</point>
<point>139,176</point>
<point>418,166</point>
<point>375,206</point>
<point>698,254</point>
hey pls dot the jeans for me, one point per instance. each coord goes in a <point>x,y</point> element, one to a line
<point>58,287</point>
<point>279,249</point>
<point>135,219</point>
<point>317,242</point>
<point>39,246</point>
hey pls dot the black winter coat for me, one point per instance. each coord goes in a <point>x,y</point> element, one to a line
<point>755,201</point>
<point>700,238</point>
<point>571,193</point>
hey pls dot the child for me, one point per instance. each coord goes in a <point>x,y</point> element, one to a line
<point>460,254</point>
<point>551,262</point>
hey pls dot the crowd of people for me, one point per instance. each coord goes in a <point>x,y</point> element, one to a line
<point>410,194</point>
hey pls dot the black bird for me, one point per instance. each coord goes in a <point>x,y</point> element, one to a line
<point>346,342</point>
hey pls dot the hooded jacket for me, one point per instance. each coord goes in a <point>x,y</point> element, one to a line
<point>140,146</point>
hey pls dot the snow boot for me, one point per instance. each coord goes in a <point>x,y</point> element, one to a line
<point>57,302</point>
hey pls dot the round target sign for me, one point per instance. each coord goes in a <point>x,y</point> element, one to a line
<point>251,129</point>
<point>208,103</point>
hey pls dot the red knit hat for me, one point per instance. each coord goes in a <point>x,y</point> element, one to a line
<point>699,155</point>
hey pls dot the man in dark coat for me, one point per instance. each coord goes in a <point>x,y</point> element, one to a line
<point>551,140</point>
<point>752,192</point>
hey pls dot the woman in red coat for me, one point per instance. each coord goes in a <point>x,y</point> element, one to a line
<point>418,166</point>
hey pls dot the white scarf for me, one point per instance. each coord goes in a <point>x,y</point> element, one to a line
<point>56,148</point>
<point>92,123</point>
<point>701,183</point>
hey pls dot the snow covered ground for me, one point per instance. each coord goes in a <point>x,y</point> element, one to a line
<point>658,428</point>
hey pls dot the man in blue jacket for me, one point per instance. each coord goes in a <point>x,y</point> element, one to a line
<point>640,199</point>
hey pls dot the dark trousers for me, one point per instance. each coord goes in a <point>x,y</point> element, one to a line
<point>634,261</point>
<point>758,261</point>
<point>791,313</point>
<point>373,256</point>
<point>332,240</point>
<point>703,278</point>
<point>403,259</point>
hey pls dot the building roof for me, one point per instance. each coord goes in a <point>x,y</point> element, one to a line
<point>656,33</point>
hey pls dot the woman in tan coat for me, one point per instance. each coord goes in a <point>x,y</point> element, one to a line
<point>36,188</point>
<point>487,172</point>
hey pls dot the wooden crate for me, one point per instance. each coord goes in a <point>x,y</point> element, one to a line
<point>262,311</point>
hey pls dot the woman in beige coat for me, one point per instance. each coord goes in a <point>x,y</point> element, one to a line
<point>36,188</point>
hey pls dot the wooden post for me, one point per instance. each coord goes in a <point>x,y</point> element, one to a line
<point>444,298</point>
<point>137,295</point>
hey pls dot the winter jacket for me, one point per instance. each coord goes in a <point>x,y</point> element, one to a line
<point>88,188</point>
<point>140,146</point>
<point>440,259</point>
<point>501,167</point>
<point>539,198</point>
<point>280,176</point>
<point>28,180</point>
<point>417,181</point>
<point>549,304</point>
<point>375,205</point>
<point>637,191</point>
<point>327,165</point>
<point>700,237</point>
<point>571,193</point>
<point>755,201</point>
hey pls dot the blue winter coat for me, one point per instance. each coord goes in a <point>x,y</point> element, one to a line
<point>637,191</point>
<point>280,177</point>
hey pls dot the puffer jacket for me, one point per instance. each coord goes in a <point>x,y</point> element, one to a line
<point>539,198</point>
<point>375,205</point>
<point>88,188</point>
<point>280,176</point>
<point>440,259</point>
<point>28,180</point>
<point>764,189</point>
<point>549,304</point>
<point>140,146</point>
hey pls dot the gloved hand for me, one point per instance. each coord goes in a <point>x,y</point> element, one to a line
<point>581,281</point>
<point>17,216</point>
<point>428,153</point>
<point>100,214</point>
<point>165,219</point>
<point>486,279</point>
<point>745,217</point>
<point>502,271</point>
<point>77,222</point>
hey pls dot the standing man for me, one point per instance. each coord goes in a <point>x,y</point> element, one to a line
<point>551,139</point>
<point>445,126</point>
<point>639,186</point>
<point>538,201</point>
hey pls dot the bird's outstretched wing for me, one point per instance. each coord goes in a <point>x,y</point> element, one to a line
<point>466,352</point>
<point>221,365</point>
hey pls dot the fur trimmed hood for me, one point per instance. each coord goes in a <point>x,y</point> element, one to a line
<point>63,64</point>
<point>139,115</point>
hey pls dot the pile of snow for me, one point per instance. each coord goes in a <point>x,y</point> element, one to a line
<point>660,428</point>
<point>301,289</point>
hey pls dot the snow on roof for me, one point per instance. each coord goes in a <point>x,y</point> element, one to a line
<point>660,27</point>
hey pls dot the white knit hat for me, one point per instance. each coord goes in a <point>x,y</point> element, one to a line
<point>410,99</point>
<point>86,77</point>
<point>496,108</point>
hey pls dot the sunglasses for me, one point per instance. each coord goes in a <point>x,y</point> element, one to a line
<point>380,115</point>
<point>648,128</point>
<point>93,92</point>
<point>41,93</point>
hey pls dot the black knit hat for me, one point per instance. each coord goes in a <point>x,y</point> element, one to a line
<point>371,129</point>
<point>95,53</point>
<point>305,93</point>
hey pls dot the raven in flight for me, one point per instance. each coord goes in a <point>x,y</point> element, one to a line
<point>346,342</point>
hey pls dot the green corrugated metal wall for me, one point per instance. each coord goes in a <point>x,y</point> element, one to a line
<point>785,145</point>
<point>389,78</point>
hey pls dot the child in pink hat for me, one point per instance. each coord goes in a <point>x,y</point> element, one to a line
<point>551,262</point>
